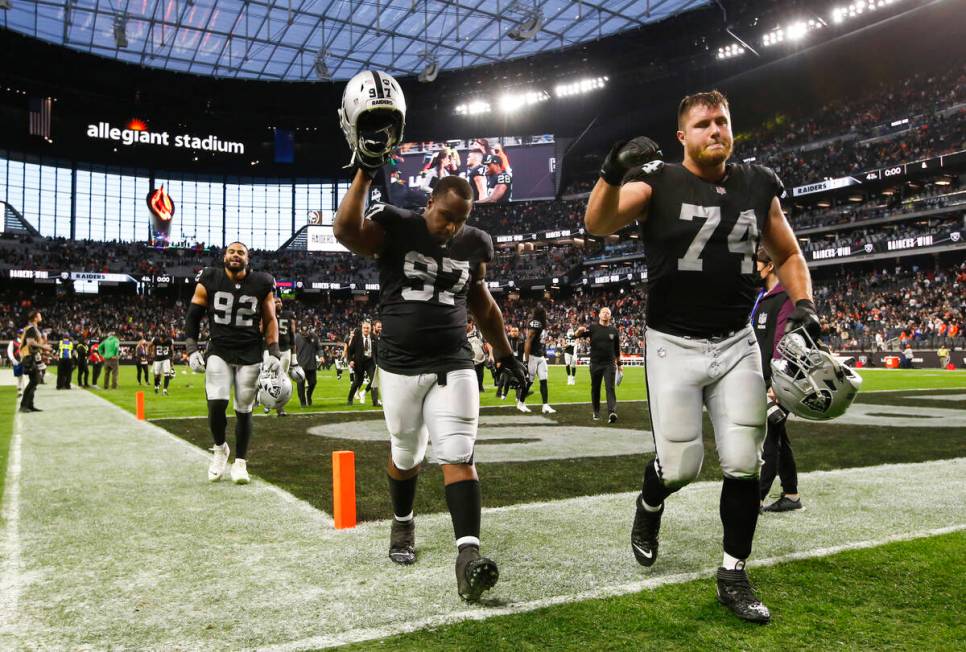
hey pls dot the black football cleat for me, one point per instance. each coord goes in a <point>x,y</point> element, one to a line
<point>644,533</point>
<point>783,504</point>
<point>736,592</point>
<point>474,574</point>
<point>402,542</point>
<point>612,417</point>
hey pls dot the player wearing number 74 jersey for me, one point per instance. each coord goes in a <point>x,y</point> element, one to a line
<point>240,305</point>
<point>700,223</point>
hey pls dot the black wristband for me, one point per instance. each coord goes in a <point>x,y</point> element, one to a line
<point>274,350</point>
<point>806,303</point>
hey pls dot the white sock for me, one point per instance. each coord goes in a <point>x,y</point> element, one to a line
<point>464,541</point>
<point>732,563</point>
<point>648,508</point>
<point>404,519</point>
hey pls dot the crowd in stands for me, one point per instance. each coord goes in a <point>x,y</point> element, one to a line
<point>528,217</point>
<point>926,199</point>
<point>850,135</point>
<point>938,227</point>
<point>882,310</point>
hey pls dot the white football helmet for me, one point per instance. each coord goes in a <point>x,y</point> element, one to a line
<point>274,389</point>
<point>372,115</point>
<point>296,374</point>
<point>809,382</point>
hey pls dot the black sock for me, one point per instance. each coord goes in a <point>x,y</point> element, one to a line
<point>167,381</point>
<point>544,392</point>
<point>217,420</point>
<point>739,515</point>
<point>568,369</point>
<point>465,501</point>
<point>157,381</point>
<point>243,432</point>
<point>654,491</point>
<point>403,495</point>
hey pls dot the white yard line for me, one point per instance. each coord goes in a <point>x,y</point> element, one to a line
<point>10,575</point>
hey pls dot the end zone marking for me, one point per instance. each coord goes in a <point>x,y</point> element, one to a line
<point>10,579</point>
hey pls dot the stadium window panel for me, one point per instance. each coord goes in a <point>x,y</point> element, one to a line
<point>82,217</point>
<point>98,214</point>
<point>198,210</point>
<point>62,202</point>
<point>31,198</point>
<point>112,207</point>
<point>15,186</point>
<point>3,179</point>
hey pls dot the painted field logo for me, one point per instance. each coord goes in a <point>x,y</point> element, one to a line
<point>518,439</point>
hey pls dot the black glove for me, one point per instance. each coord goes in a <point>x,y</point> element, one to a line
<point>510,364</point>
<point>627,154</point>
<point>369,165</point>
<point>804,317</point>
<point>776,413</point>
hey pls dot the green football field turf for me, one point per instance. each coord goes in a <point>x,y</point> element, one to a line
<point>121,542</point>
<point>8,405</point>
<point>187,394</point>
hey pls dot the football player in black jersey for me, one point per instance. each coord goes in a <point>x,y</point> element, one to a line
<point>505,381</point>
<point>475,170</point>
<point>535,356</point>
<point>701,222</point>
<point>287,328</point>
<point>162,349</point>
<point>240,306</point>
<point>570,355</point>
<point>432,270</point>
<point>498,180</point>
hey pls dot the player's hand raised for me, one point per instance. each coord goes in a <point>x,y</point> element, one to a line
<point>197,362</point>
<point>510,364</point>
<point>627,154</point>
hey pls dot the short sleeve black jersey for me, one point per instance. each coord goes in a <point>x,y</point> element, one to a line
<point>423,291</point>
<point>537,346</point>
<point>286,322</point>
<point>163,348</point>
<point>570,342</point>
<point>699,241</point>
<point>234,314</point>
<point>505,179</point>
<point>472,174</point>
<point>604,343</point>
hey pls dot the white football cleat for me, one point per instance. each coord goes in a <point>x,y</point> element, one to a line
<point>522,406</point>
<point>548,410</point>
<point>219,460</point>
<point>239,472</point>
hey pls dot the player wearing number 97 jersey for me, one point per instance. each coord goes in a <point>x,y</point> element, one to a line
<point>240,307</point>
<point>701,222</point>
<point>432,269</point>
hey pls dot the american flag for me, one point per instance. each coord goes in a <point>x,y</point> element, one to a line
<point>40,111</point>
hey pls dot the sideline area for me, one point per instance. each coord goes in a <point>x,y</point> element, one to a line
<point>119,540</point>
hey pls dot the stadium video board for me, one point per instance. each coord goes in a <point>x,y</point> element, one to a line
<point>525,167</point>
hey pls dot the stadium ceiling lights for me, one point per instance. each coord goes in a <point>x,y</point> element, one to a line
<point>840,14</point>
<point>512,102</point>
<point>730,51</point>
<point>476,107</point>
<point>581,86</point>
<point>795,31</point>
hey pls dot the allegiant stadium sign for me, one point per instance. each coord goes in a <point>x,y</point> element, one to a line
<point>127,137</point>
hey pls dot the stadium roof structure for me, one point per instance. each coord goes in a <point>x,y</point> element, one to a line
<point>304,40</point>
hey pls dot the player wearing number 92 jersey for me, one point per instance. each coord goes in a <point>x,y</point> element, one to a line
<point>701,222</point>
<point>240,307</point>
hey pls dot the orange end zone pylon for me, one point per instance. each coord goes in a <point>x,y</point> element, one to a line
<point>344,489</point>
<point>139,405</point>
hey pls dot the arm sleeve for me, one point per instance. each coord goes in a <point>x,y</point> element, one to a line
<point>783,314</point>
<point>775,186</point>
<point>617,344</point>
<point>192,321</point>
